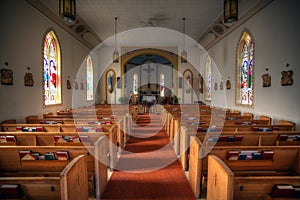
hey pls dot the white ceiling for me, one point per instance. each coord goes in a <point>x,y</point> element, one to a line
<point>100,14</point>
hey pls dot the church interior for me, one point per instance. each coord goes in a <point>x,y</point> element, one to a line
<point>127,99</point>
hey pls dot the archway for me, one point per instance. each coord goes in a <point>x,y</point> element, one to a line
<point>146,56</point>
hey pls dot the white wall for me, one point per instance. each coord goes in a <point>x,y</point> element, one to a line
<point>23,29</point>
<point>276,35</point>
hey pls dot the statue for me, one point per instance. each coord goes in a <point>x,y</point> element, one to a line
<point>69,84</point>
<point>228,84</point>
<point>28,79</point>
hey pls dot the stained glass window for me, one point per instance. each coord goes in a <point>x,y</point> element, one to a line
<point>135,84</point>
<point>162,85</point>
<point>208,79</point>
<point>245,68</point>
<point>89,79</point>
<point>52,70</point>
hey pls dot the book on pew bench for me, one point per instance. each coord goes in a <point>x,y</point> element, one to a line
<point>28,156</point>
<point>50,156</point>
<point>232,155</point>
<point>230,138</point>
<point>256,156</point>
<point>267,155</point>
<point>3,139</point>
<point>62,155</point>
<point>222,138</point>
<point>8,138</point>
<point>283,191</point>
<point>238,138</point>
<point>23,153</point>
<point>282,137</point>
<point>10,191</point>
<point>84,138</point>
<point>242,156</point>
<point>59,138</point>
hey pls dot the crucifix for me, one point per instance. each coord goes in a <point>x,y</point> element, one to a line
<point>148,70</point>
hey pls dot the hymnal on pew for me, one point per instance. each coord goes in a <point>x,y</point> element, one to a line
<point>283,191</point>
<point>62,155</point>
<point>10,191</point>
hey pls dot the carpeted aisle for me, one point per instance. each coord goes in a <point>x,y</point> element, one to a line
<point>148,168</point>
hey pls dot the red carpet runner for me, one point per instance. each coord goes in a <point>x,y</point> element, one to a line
<point>149,169</point>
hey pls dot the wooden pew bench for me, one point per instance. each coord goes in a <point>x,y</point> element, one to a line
<point>11,163</point>
<point>87,139</point>
<point>248,184</point>
<point>70,182</point>
<point>285,158</point>
<point>254,138</point>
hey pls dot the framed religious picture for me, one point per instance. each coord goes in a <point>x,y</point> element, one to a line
<point>266,79</point>
<point>110,80</point>
<point>287,78</point>
<point>6,77</point>
<point>188,81</point>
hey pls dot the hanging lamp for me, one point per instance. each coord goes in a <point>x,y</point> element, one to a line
<point>230,11</point>
<point>116,52</point>
<point>67,10</point>
<point>183,53</point>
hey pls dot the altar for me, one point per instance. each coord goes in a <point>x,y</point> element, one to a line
<point>149,103</point>
<point>149,99</point>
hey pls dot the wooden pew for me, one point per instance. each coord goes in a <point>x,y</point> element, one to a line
<point>284,159</point>
<point>252,138</point>
<point>249,184</point>
<point>96,156</point>
<point>69,183</point>
<point>48,139</point>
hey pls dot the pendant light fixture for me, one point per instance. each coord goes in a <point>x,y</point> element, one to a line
<point>116,52</point>
<point>183,53</point>
<point>67,10</point>
<point>230,11</point>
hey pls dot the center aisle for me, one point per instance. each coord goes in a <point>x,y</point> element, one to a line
<point>148,168</point>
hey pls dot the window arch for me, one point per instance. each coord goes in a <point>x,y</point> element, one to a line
<point>51,70</point>
<point>162,85</point>
<point>135,84</point>
<point>208,75</point>
<point>245,68</point>
<point>89,79</point>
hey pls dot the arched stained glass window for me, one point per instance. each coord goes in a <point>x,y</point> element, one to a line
<point>162,85</point>
<point>245,68</point>
<point>208,75</point>
<point>51,70</point>
<point>135,84</point>
<point>89,79</point>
